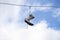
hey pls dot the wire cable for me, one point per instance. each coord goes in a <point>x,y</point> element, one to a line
<point>29,9</point>
<point>26,5</point>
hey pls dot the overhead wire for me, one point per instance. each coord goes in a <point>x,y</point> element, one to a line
<point>26,5</point>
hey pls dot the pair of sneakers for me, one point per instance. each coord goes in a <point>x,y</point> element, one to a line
<point>27,20</point>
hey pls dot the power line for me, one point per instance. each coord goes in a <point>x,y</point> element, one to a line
<point>25,5</point>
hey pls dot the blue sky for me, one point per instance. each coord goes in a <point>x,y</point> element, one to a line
<point>46,14</point>
<point>46,21</point>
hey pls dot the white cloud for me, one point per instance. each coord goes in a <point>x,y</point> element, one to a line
<point>41,32</point>
<point>56,13</point>
<point>14,32</point>
<point>13,1</point>
<point>37,32</point>
<point>7,12</point>
<point>10,31</point>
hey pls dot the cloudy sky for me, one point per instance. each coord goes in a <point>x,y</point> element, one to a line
<point>46,21</point>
